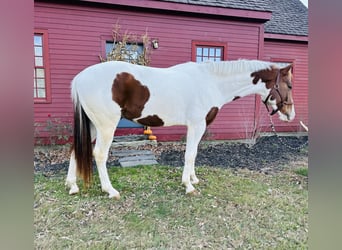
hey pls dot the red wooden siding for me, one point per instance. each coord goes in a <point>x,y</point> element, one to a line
<point>77,36</point>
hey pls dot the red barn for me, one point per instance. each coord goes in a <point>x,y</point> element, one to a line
<point>68,37</point>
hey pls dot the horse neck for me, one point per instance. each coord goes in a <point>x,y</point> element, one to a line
<point>233,78</point>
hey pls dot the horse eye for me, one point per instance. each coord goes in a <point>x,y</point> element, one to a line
<point>289,86</point>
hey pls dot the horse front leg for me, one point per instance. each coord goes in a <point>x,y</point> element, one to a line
<point>194,135</point>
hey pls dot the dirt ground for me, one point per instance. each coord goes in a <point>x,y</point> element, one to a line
<point>268,154</point>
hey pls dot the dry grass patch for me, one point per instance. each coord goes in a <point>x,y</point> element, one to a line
<point>236,209</point>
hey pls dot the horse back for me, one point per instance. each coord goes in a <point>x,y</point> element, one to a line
<point>172,94</point>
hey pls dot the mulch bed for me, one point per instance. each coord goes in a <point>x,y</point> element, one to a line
<point>268,154</point>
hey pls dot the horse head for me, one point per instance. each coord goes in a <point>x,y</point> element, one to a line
<point>278,82</point>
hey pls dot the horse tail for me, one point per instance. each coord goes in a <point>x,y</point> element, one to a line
<point>82,146</point>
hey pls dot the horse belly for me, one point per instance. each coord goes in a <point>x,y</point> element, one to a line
<point>162,110</point>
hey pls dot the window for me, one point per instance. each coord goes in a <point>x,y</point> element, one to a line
<point>130,53</point>
<point>41,84</point>
<point>208,51</point>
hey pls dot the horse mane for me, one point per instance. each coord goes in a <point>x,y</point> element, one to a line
<point>237,66</point>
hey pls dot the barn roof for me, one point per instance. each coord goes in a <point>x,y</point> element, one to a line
<point>289,17</point>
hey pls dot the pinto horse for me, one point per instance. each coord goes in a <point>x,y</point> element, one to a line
<point>189,94</point>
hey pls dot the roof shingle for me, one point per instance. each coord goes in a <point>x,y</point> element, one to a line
<point>289,17</point>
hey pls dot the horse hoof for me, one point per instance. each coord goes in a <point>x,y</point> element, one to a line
<point>74,190</point>
<point>194,193</point>
<point>114,196</point>
<point>195,181</point>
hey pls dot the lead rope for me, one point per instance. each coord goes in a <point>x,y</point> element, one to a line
<point>282,141</point>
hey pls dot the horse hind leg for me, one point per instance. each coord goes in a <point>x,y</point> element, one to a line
<point>72,171</point>
<point>71,177</point>
<point>103,142</point>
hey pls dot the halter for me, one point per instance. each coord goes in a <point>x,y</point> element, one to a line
<point>282,102</point>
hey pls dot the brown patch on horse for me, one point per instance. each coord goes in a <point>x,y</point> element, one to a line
<point>130,94</point>
<point>151,120</point>
<point>211,115</point>
<point>236,97</point>
<point>269,76</point>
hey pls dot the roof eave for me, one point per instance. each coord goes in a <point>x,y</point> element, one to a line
<point>263,16</point>
<point>300,38</point>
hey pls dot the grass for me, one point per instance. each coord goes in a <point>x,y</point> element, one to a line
<point>236,209</point>
<point>302,171</point>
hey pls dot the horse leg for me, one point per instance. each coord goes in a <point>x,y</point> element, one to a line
<point>71,177</point>
<point>194,135</point>
<point>103,142</point>
<point>193,177</point>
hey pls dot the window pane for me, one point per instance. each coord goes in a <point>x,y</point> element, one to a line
<point>38,40</point>
<point>198,59</point>
<point>199,51</point>
<point>41,93</point>
<point>212,52</point>
<point>131,56</point>
<point>135,48</point>
<point>40,73</point>
<point>41,83</point>
<point>38,61</point>
<point>218,52</point>
<point>109,47</point>
<point>38,51</point>
<point>205,52</point>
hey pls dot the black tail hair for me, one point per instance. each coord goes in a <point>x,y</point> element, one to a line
<point>82,145</point>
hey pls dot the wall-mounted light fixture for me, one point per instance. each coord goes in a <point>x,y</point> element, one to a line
<point>155,44</point>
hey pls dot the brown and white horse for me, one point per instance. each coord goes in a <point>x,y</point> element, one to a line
<point>188,94</point>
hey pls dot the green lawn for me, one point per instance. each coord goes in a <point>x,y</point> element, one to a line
<point>236,209</point>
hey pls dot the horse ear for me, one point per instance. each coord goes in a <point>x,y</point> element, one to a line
<point>285,70</point>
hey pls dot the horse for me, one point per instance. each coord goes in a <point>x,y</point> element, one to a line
<point>189,94</point>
